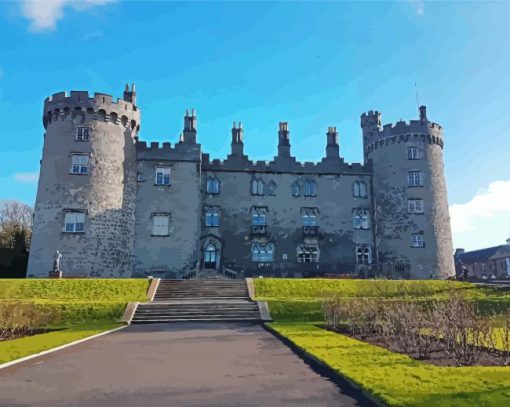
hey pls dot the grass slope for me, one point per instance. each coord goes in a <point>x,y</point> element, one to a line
<point>284,289</point>
<point>74,289</point>
<point>18,348</point>
<point>398,380</point>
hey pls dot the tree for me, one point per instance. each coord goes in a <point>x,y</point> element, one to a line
<point>15,217</point>
<point>15,237</point>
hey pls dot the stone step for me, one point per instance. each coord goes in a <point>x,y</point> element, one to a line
<point>197,315</point>
<point>170,320</point>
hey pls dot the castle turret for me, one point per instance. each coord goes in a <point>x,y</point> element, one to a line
<point>87,186</point>
<point>413,235</point>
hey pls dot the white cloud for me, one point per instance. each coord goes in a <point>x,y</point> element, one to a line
<point>26,177</point>
<point>44,14</point>
<point>484,220</point>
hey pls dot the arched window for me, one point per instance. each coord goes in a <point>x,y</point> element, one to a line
<point>271,188</point>
<point>257,186</point>
<point>213,185</point>
<point>310,188</point>
<point>362,190</point>
<point>295,189</point>
<point>355,189</point>
<point>363,255</point>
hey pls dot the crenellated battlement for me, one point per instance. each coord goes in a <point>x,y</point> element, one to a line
<point>101,106</point>
<point>277,166</point>
<point>376,135</point>
<point>403,138</point>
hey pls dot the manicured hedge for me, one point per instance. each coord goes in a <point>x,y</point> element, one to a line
<point>396,379</point>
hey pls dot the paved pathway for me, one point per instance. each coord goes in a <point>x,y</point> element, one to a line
<point>171,365</point>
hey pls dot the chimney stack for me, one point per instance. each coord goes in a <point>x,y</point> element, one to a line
<point>237,139</point>
<point>332,147</point>
<point>130,95</point>
<point>283,140</point>
<point>190,127</point>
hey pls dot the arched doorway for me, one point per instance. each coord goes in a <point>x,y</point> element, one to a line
<point>211,254</point>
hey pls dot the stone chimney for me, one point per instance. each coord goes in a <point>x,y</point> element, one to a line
<point>332,148</point>
<point>237,139</point>
<point>423,114</point>
<point>459,252</point>
<point>283,140</point>
<point>130,96</point>
<point>190,127</point>
<point>508,241</point>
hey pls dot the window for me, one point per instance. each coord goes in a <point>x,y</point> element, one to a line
<point>363,255</point>
<point>271,188</point>
<point>212,216</point>
<point>262,252</point>
<point>307,254</point>
<point>162,176</point>
<point>295,189</point>
<point>417,240</point>
<point>213,185</point>
<point>74,222</point>
<point>258,216</point>
<point>309,216</point>
<point>82,134</point>
<point>80,164</point>
<point>358,189</point>
<point>360,219</point>
<point>160,225</point>
<point>415,179</point>
<point>257,186</point>
<point>415,206</point>
<point>412,153</point>
<point>310,188</point>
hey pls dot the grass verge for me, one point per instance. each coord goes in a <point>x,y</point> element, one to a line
<point>29,345</point>
<point>396,379</point>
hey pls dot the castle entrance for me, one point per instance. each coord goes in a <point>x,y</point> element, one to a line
<point>211,254</point>
<point>210,257</point>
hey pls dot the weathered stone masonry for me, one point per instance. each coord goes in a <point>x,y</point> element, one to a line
<point>279,217</point>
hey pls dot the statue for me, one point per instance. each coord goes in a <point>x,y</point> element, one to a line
<point>56,272</point>
<point>56,263</point>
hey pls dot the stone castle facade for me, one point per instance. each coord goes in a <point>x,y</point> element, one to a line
<point>116,206</point>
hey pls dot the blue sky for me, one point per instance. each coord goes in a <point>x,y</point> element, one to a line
<point>312,64</point>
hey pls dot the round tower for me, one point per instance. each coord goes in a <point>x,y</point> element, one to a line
<point>85,205</point>
<point>413,236</point>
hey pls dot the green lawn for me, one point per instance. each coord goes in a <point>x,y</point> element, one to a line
<point>396,379</point>
<point>307,289</point>
<point>18,348</point>
<point>89,289</point>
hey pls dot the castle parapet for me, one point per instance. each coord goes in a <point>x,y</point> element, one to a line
<point>61,105</point>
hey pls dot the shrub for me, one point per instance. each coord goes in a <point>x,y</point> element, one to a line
<point>21,319</point>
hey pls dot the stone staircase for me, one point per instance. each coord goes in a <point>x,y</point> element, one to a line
<point>199,300</point>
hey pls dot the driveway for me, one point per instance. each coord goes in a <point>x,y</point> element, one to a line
<point>185,364</point>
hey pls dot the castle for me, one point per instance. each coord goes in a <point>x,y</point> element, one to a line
<point>116,206</point>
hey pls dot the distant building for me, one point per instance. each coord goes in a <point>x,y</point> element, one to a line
<point>489,263</point>
<point>116,206</point>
